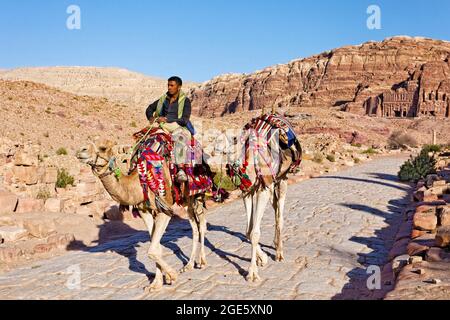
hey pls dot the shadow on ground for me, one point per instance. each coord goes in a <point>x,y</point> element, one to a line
<point>128,239</point>
<point>380,243</point>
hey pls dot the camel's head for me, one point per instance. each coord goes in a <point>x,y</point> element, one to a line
<point>97,154</point>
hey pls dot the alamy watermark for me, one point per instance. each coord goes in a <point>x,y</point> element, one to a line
<point>374,19</point>
<point>74,280</point>
<point>73,22</point>
<point>374,280</point>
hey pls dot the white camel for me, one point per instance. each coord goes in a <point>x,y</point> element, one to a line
<point>268,184</point>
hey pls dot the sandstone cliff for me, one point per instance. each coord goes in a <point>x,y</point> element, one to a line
<point>345,77</point>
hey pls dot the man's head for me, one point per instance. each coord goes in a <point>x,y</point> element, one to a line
<point>174,85</point>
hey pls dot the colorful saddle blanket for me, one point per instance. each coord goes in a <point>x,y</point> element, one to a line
<point>260,135</point>
<point>156,148</point>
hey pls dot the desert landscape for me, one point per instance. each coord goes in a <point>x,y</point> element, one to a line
<point>355,110</point>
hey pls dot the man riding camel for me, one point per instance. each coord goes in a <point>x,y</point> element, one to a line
<point>172,113</point>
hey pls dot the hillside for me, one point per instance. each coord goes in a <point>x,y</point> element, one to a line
<point>119,85</point>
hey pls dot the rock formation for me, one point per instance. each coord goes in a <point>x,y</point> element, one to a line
<point>361,79</point>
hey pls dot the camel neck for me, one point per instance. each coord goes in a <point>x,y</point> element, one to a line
<point>123,189</point>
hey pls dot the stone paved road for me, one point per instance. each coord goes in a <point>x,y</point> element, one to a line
<point>336,226</point>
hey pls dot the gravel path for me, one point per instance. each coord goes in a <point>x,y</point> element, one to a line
<point>335,226</point>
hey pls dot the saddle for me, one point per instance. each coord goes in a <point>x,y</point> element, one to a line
<point>154,159</point>
<point>267,136</point>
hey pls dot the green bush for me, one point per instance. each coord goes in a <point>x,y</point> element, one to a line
<point>331,158</point>
<point>318,157</point>
<point>370,151</point>
<point>133,124</point>
<point>418,168</point>
<point>357,145</point>
<point>64,179</point>
<point>224,182</point>
<point>61,152</point>
<point>434,148</point>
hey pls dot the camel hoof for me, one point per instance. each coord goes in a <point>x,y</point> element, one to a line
<point>252,276</point>
<point>154,287</point>
<point>201,265</point>
<point>262,260</point>
<point>171,278</point>
<point>279,257</point>
<point>187,268</point>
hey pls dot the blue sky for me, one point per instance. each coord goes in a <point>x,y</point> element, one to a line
<point>199,39</point>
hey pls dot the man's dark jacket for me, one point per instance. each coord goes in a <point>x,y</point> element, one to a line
<point>170,111</point>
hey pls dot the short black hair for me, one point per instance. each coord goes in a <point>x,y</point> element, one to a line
<point>177,80</point>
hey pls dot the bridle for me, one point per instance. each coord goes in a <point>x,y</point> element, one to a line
<point>111,168</point>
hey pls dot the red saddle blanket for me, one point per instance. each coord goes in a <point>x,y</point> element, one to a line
<point>156,148</point>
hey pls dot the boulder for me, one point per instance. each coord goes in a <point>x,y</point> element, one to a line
<point>27,205</point>
<point>53,205</point>
<point>61,240</point>
<point>8,201</point>
<point>27,175</point>
<point>426,221</point>
<point>86,192</point>
<point>421,244</point>
<point>22,158</point>
<point>444,216</point>
<point>50,175</point>
<point>437,255</point>
<point>12,233</point>
<point>43,248</point>
<point>416,249</point>
<point>443,237</point>
<point>10,254</point>
<point>417,233</point>
<point>40,227</point>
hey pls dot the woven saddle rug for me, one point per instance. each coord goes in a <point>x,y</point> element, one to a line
<point>271,139</point>
<point>154,153</point>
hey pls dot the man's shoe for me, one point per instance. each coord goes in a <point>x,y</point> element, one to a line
<point>181,176</point>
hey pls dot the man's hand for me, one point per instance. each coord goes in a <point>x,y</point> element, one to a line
<point>161,119</point>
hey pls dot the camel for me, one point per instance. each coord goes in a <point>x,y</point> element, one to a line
<point>127,190</point>
<point>273,188</point>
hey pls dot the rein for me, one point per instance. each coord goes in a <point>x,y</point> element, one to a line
<point>112,168</point>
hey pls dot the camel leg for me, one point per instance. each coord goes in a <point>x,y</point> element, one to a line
<point>278,205</point>
<point>155,253</point>
<point>149,222</point>
<point>248,203</point>
<point>195,239</point>
<point>262,198</point>
<point>202,229</point>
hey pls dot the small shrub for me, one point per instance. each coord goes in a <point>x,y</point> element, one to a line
<point>356,160</point>
<point>43,194</point>
<point>133,124</point>
<point>64,179</point>
<point>46,134</point>
<point>399,139</point>
<point>331,158</point>
<point>417,168</point>
<point>370,151</point>
<point>48,110</point>
<point>61,152</point>
<point>431,148</point>
<point>357,145</point>
<point>318,157</point>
